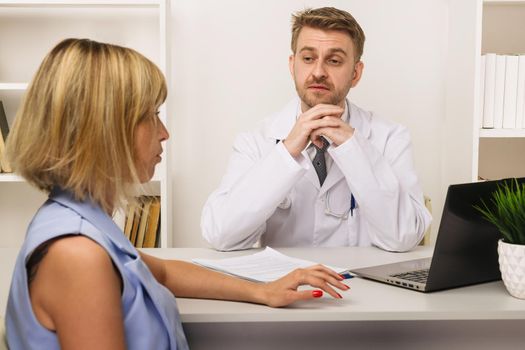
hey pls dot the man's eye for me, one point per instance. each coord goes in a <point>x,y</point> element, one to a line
<point>308,59</point>
<point>334,62</point>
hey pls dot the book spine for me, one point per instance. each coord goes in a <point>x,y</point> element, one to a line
<point>2,151</point>
<point>499,91</point>
<point>510,92</point>
<point>520,94</point>
<point>489,87</point>
<point>4,127</point>
<point>481,89</point>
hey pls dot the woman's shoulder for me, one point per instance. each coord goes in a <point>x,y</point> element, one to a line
<point>78,250</point>
<point>53,221</point>
<point>74,274</point>
<point>72,258</point>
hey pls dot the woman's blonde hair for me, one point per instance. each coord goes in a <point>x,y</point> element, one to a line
<point>75,127</point>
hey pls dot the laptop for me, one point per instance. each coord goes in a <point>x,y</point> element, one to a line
<point>466,246</point>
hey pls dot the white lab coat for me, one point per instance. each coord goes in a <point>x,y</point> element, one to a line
<point>268,195</point>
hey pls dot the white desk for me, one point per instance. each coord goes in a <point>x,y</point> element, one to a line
<point>371,315</point>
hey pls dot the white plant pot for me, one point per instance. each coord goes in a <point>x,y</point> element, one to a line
<point>512,267</point>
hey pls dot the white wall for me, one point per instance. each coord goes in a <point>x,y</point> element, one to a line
<point>229,63</point>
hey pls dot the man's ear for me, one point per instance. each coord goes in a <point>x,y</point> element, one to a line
<point>291,65</point>
<point>357,73</point>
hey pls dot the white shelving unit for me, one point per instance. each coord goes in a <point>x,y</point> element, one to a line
<point>469,152</point>
<point>28,30</point>
<point>501,151</point>
<point>501,133</point>
<point>13,86</point>
<point>7,177</point>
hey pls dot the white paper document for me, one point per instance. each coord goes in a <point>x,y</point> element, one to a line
<point>265,266</point>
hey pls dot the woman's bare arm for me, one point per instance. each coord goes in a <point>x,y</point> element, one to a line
<point>189,280</point>
<point>76,292</point>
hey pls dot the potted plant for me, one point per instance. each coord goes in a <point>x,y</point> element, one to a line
<point>507,213</point>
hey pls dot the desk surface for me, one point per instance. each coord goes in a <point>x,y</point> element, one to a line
<point>366,300</point>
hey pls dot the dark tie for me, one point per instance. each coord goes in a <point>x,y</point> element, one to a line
<point>319,161</point>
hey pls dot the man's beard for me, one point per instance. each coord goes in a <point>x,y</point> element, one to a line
<point>312,99</point>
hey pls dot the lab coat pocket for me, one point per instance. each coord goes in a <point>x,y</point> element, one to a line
<point>286,203</point>
<point>338,200</point>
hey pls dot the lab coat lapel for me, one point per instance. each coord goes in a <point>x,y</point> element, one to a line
<point>310,174</point>
<point>278,126</point>
<point>332,178</point>
<point>359,120</point>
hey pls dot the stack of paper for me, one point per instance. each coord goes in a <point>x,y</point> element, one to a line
<point>265,266</point>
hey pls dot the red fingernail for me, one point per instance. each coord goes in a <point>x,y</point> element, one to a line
<point>339,295</point>
<point>317,293</point>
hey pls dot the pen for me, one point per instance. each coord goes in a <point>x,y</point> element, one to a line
<point>352,205</point>
<point>346,275</point>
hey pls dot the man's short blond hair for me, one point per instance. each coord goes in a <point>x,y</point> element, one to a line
<point>75,127</point>
<point>329,18</point>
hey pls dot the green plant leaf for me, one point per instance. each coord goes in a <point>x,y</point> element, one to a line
<point>507,211</point>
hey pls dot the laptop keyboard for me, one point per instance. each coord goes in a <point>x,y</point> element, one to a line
<point>419,276</point>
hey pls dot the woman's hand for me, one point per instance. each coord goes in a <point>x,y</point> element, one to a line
<point>284,291</point>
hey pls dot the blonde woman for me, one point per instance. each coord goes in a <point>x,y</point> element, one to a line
<point>87,130</point>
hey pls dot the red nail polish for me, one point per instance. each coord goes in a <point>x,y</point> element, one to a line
<point>339,295</point>
<point>317,293</point>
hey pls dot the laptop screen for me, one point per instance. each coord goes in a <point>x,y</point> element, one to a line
<point>466,246</point>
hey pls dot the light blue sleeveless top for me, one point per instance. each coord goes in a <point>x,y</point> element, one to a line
<point>151,317</point>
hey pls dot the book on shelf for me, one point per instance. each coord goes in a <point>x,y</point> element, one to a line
<point>488,87</point>
<point>4,131</point>
<point>128,222</point>
<point>503,91</point>
<point>144,214</point>
<point>152,232</point>
<point>135,223</point>
<point>510,91</point>
<point>520,94</point>
<point>142,221</point>
<point>499,91</point>
<point>2,154</point>
<point>481,89</point>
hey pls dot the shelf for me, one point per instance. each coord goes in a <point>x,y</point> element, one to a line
<point>502,133</point>
<point>13,86</point>
<point>82,3</point>
<point>504,2</point>
<point>10,177</point>
<point>137,24</point>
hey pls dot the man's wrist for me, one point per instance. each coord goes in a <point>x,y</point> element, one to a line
<point>293,152</point>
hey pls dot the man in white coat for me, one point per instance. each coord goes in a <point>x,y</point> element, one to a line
<point>284,187</point>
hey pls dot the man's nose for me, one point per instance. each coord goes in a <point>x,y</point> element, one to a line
<point>319,71</point>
